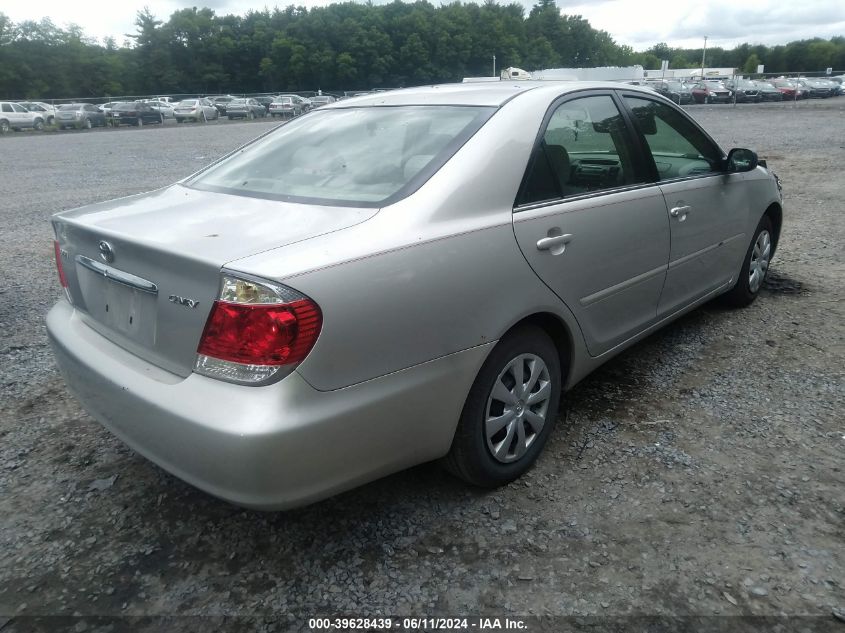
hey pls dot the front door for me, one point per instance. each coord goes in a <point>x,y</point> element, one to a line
<point>706,205</point>
<point>590,225</point>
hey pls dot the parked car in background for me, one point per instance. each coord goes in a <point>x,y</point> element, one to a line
<point>286,107</point>
<point>711,92</point>
<point>789,89</point>
<point>675,91</point>
<point>46,111</point>
<point>106,107</point>
<point>195,110</point>
<point>14,116</point>
<point>768,92</point>
<point>220,102</point>
<point>310,346</point>
<point>744,90</point>
<point>79,115</point>
<point>246,108</point>
<point>835,87</point>
<point>816,88</point>
<point>265,101</point>
<point>165,109</point>
<point>135,113</point>
<point>321,100</point>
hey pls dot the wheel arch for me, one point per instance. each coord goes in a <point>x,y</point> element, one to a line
<point>557,330</point>
<point>775,215</point>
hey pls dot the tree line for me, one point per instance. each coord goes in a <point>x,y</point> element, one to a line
<point>344,46</point>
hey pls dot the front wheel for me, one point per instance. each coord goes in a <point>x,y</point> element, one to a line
<point>754,269</point>
<point>510,411</point>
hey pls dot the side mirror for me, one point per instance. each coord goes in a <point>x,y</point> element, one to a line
<point>740,160</point>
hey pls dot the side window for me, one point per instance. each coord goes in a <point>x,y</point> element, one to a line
<point>18,108</point>
<point>584,148</point>
<point>678,145</point>
<point>7,107</point>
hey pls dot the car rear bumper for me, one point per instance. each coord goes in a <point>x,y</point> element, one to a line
<point>272,447</point>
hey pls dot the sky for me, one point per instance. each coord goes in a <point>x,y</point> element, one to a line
<point>637,23</point>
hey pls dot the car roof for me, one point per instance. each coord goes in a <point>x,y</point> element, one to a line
<point>478,94</point>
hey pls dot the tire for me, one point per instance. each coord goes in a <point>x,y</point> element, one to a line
<point>473,455</point>
<point>4,126</point>
<point>139,122</point>
<point>757,258</point>
<point>179,120</point>
<point>87,124</point>
<point>51,120</point>
<point>38,125</point>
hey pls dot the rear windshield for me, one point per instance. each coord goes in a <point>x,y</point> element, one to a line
<point>187,104</point>
<point>125,106</point>
<point>70,106</point>
<point>354,156</point>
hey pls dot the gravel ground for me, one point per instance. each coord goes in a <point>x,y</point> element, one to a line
<point>698,474</point>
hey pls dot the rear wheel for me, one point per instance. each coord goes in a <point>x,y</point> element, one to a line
<point>4,126</point>
<point>510,410</point>
<point>754,269</point>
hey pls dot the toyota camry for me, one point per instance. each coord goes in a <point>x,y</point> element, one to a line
<point>398,278</point>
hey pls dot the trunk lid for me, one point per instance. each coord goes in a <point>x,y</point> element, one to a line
<point>150,288</point>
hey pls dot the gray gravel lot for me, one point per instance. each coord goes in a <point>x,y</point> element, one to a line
<point>700,473</point>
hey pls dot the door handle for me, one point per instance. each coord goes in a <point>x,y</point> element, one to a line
<point>680,212</point>
<point>550,243</point>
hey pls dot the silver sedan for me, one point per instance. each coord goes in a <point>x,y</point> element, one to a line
<point>399,278</point>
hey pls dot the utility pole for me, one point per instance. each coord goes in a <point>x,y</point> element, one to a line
<point>494,65</point>
<point>703,51</point>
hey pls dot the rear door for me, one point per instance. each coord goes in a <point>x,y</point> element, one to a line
<point>707,207</point>
<point>590,224</point>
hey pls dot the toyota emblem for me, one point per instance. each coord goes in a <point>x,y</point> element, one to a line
<point>106,251</point>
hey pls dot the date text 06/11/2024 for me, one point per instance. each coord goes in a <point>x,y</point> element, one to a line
<point>416,624</point>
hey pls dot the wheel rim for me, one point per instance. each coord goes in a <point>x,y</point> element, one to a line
<point>760,256</point>
<point>517,407</point>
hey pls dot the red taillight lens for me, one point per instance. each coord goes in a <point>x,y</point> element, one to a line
<point>261,334</point>
<point>61,269</point>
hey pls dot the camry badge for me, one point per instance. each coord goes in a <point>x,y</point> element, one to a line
<point>106,251</point>
<point>184,301</point>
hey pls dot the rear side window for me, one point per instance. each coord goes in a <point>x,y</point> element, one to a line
<point>354,156</point>
<point>7,107</point>
<point>585,148</point>
<point>679,147</point>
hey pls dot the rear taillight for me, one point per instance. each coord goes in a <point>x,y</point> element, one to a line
<point>59,266</point>
<point>257,332</point>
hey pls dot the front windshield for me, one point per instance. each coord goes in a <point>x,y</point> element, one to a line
<point>349,156</point>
